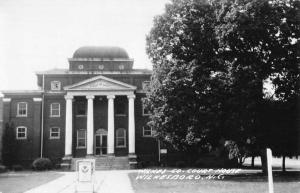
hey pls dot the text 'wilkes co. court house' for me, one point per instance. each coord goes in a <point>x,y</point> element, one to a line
<point>93,109</point>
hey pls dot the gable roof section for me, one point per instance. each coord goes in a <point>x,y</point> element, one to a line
<point>99,83</point>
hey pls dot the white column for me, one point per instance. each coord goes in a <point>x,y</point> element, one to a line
<point>69,127</point>
<point>90,125</point>
<point>111,126</point>
<point>131,124</point>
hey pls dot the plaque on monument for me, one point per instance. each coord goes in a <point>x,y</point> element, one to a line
<point>85,175</point>
<point>85,171</point>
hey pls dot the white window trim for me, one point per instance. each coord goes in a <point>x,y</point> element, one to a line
<point>143,108</point>
<point>51,108</point>
<point>151,129</point>
<point>17,131</point>
<point>54,82</point>
<point>143,83</point>
<point>81,147</point>
<point>121,146</point>
<point>57,137</point>
<point>18,108</point>
<point>120,115</point>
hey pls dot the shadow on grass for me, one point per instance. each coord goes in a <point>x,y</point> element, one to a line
<point>252,181</point>
<point>289,176</point>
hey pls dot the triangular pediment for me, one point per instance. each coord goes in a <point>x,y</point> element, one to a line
<point>100,83</point>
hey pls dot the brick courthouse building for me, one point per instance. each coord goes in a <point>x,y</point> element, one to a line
<point>93,109</point>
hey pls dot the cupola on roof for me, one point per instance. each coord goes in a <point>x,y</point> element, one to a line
<point>111,52</point>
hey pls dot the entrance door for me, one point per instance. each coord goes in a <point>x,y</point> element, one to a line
<point>100,144</point>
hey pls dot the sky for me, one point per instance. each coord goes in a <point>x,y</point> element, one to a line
<point>39,35</point>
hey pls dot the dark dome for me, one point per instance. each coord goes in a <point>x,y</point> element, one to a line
<point>101,52</point>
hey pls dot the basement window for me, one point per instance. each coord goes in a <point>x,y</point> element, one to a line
<point>21,132</point>
<point>54,133</point>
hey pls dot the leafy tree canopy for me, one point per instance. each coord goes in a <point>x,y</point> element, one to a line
<point>210,59</point>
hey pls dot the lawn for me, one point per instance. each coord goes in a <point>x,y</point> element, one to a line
<point>18,182</point>
<point>238,183</point>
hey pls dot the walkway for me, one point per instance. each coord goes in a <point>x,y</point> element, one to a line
<point>105,182</point>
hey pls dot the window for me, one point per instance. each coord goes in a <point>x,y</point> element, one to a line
<point>121,67</point>
<point>121,137</point>
<point>22,109</point>
<point>80,67</point>
<point>81,139</point>
<point>101,67</point>
<point>146,85</point>
<point>81,108</point>
<point>55,85</point>
<point>147,131</point>
<point>120,108</point>
<point>146,111</point>
<point>54,133</point>
<point>21,132</point>
<point>55,110</point>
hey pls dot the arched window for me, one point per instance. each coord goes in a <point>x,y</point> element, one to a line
<point>80,67</point>
<point>101,67</point>
<point>121,137</point>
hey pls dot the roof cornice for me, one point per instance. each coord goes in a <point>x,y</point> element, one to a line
<point>23,92</point>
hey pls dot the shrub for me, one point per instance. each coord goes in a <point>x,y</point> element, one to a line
<point>180,164</point>
<point>17,167</point>
<point>141,164</point>
<point>42,164</point>
<point>199,163</point>
<point>2,168</point>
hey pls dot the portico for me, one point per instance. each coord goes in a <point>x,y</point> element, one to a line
<point>90,89</point>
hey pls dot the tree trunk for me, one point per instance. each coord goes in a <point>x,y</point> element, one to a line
<point>263,158</point>
<point>252,161</point>
<point>283,163</point>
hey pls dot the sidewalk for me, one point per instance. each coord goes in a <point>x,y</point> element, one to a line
<point>105,182</point>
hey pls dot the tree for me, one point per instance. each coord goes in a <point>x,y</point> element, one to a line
<point>210,59</point>
<point>260,41</point>
<point>9,145</point>
<point>185,78</point>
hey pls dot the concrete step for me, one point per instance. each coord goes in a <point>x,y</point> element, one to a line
<point>106,163</point>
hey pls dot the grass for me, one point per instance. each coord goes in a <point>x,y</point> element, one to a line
<point>18,182</point>
<point>239,183</point>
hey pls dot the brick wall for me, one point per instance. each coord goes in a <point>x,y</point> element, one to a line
<point>29,149</point>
